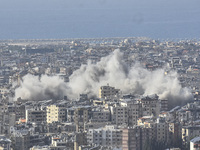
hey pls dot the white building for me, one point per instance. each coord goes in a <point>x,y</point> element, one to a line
<point>195,143</point>
<point>108,136</point>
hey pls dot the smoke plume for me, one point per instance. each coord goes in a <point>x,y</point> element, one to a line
<point>110,70</point>
<point>41,88</point>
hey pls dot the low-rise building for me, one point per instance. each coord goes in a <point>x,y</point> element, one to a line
<point>195,143</point>
<point>5,143</point>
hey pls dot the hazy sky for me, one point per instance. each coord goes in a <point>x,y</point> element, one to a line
<point>99,18</point>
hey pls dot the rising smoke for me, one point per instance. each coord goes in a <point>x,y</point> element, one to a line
<point>41,88</point>
<point>111,69</point>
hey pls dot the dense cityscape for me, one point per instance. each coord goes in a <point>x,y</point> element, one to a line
<point>100,94</point>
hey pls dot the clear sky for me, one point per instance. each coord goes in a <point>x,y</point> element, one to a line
<point>20,19</point>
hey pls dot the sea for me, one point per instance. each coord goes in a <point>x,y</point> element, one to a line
<point>61,19</point>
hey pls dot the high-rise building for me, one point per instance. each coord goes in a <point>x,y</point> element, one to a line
<point>135,111</point>
<point>131,138</point>
<point>175,133</point>
<point>80,118</point>
<point>108,136</point>
<point>36,115</point>
<point>150,105</point>
<point>108,92</point>
<point>119,115</point>
<point>55,113</point>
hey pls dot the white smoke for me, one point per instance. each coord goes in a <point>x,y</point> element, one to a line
<point>41,88</point>
<point>110,70</point>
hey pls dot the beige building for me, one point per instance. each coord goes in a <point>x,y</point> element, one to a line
<point>108,92</point>
<point>55,113</point>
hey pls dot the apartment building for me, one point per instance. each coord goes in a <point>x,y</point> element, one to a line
<point>24,139</point>
<point>21,140</point>
<point>18,109</point>
<point>189,112</point>
<point>101,115</point>
<point>81,117</point>
<point>175,134</point>
<point>149,130</point>
<point>163,105</point>
<point>119,115</point>
<point>2,111</point>
<point>79,140</point>
<point>189,132</point>
<point>108,136</point>
<point>134,112</point>
<point>70,115</point>
<point>195,143</point>
<point>37,115</point>
<point>131,138</point>
<point>55,113</point>
<point>108,92</point>
<point>150,105</point>
<point>159,129</point>
<point>162,131</point>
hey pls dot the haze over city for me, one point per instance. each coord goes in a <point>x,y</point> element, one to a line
<point>99,75</point>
